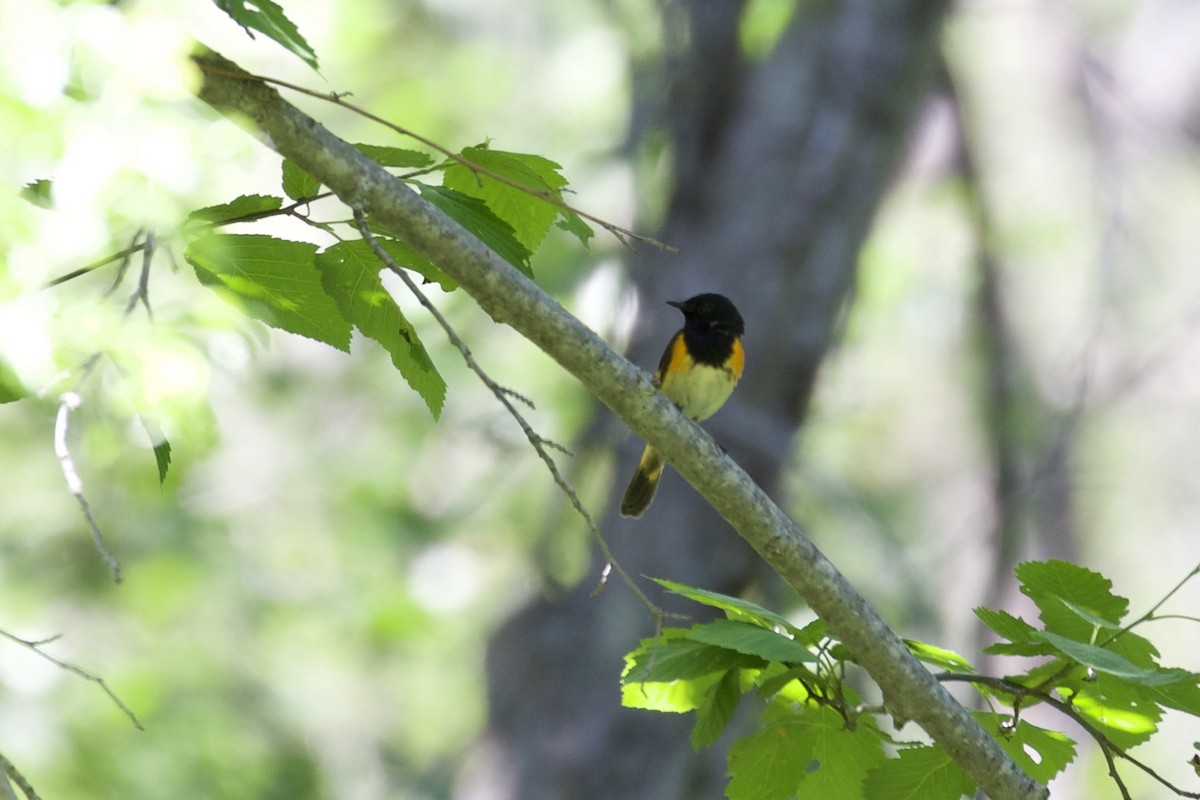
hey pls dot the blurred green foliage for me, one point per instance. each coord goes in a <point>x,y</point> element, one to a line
<point>308,593</point>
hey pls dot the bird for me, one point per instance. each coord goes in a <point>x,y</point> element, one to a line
<point>698,371</point>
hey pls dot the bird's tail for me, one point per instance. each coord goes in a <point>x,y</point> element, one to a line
<point>640,492</point>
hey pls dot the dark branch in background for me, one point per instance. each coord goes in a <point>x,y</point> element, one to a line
<point>36,647</point>
<point>504,396</point>
<point>998,352</point>
<point>910,692</point>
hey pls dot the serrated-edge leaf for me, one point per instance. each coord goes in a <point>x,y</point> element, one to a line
<point>736,607</point>
<point>713,715</point>
<point>275,280</point>
<point>1049,582</point>
<point>529,214</point>
<point>268,18</point>
<point>399,157</point>
<point>751,640</point>
<point>350,274</point>
<point>770,763</point>
<point>481,222</point>
<point>665,660</point>
<point>246,205</point>
<point>1055,750</point>
<point>1010,627</point>
<point>924,772</point>
<point>843,758</point>
<point>1103,660</point>
<point>298,183</point>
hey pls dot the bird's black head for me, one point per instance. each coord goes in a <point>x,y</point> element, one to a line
<point>712,311</point>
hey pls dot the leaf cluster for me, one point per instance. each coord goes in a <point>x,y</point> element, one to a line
<point>507,200</point>
<point>815,738</point>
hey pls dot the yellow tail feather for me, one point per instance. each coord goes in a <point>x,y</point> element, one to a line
<point>642,488</point>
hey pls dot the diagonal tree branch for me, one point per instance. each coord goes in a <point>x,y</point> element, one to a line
<point>910,691</point>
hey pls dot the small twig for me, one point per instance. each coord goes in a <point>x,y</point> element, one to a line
<point>142,293</point>
<point>95,265</point>
<point>69,402</point>
<point>14,775</point>
<point>622,234</point>
<point>36,647</point>
<point>1107,747</point>
<point>505,395</point>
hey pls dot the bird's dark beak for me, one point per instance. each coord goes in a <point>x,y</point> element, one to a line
<point>677,303</point>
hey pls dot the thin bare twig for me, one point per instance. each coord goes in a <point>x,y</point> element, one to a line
<point>36,647</point>
<point>551,197</point>
<point>504,395</point>
<point>1107,747</point>
<point>14,775</point>
<point>68,402</point>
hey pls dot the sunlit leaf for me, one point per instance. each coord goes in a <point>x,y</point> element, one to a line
<point>770,763</point>
<point>350,274</point>
<point>939,656</point>
<point>1053,750</point>
<point>298,183</point>
<point>528,212</point>
<point>274,280</point>
<point>248,205</point>
<point>919,773</point>
<point>842,758</point>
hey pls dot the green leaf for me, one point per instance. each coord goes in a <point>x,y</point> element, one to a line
<point>751,640</point>
<point>275,280</point>
<point>1048,583</point>
<point>298,183</point>
<point>267,17</point>
<point>406,257</point>
<point>529,215</point>
<point>1124,712</point>
<point>1104,660</point>
<point>670,658</point>
<point>39,193</point>
<point>1183,694</point>
<point>939,656</point>
<point>844,758</point>
<point>350,274</point>
<point>162,457</point>
<point>735,607</point>
<point>714,713</point>
<point>1018,631</point>
<point>1054,750</point>
<point>479,220</point>
<point>770,763</point>
<point>11,388</point>
<point>248,205</point>
<point>919,773</point>
<point>394,156</point>
<point>573,224</point>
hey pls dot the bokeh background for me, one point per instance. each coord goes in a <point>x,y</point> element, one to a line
<point>1009,368</point>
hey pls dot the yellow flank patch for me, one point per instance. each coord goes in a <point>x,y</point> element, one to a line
<point>737,359</point>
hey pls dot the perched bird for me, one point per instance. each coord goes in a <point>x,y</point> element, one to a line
<point>698,370</point>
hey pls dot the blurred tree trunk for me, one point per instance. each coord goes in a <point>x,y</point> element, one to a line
<point>778,167</point>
